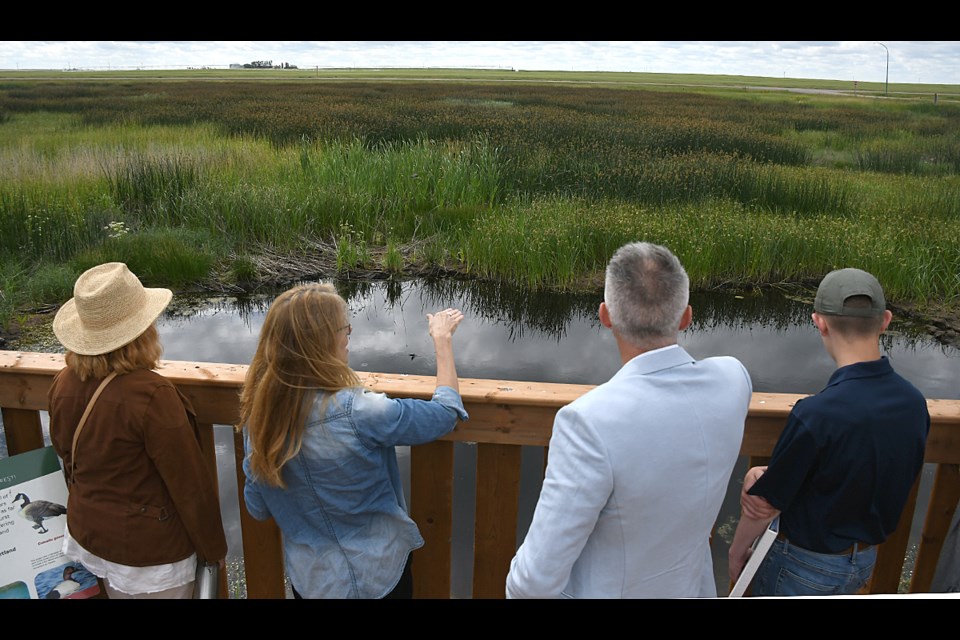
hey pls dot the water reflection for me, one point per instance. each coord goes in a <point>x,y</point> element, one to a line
<point>512,333</point>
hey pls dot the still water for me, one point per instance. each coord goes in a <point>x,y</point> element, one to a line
<point>512,333</point>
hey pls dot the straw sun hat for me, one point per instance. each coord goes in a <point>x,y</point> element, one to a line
<point>109,309</point>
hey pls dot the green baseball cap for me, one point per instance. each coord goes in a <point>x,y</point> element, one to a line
<point>837,286</point>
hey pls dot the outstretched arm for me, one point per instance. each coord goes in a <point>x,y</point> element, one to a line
<point>441,326</point>
<point>406,421</point>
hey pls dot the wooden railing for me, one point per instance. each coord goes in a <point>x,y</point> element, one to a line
<point>504,416</point>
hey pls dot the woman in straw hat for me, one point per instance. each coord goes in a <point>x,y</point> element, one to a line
<point>142,507</point>
<point>320,456</point>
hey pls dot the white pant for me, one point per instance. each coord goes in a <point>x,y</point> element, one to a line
<point>183,592</point>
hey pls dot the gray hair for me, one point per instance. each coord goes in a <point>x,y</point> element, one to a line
<point>646,292</point>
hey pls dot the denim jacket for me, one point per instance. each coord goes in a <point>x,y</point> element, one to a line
<point>346,532</point>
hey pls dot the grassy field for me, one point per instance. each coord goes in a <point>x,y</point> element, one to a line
<point>609,78</point>
<point>227,179</point>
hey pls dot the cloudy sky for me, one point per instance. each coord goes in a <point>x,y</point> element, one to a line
<point>909,61</point>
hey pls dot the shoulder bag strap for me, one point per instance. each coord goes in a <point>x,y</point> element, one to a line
<point>83,420</point>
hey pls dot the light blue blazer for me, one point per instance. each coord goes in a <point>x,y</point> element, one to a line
<point>636,473</point>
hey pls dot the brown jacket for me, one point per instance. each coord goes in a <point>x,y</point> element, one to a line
<point>142,494</point>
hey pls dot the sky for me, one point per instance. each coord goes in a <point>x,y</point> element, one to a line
<point>931,62</point>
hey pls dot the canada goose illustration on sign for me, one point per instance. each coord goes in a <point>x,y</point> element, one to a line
<point>39,511</point>
<point>65,588</point>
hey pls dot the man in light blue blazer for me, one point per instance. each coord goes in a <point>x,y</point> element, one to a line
<point>638,467</point>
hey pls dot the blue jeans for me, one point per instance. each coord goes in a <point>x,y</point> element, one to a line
<point>789,570</point>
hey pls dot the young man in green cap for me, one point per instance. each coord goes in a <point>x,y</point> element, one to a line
<point>846,461</point>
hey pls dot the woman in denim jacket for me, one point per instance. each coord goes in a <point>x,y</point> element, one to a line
<point>319,448</point>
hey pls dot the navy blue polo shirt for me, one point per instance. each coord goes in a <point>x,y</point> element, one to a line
<point>847,459</point>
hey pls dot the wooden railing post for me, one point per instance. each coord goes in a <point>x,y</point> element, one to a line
<point>23,429</point>
<point>262,544</point>
<point>431,507</point>
<point>209,450</point>
<point>943,502</point>
<point>495,530</point>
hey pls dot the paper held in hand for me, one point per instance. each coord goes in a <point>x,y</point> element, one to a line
<point>759,549</point>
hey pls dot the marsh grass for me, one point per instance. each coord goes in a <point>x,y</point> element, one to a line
<point>351,248</point>
<point>243,271</point>
<point>152,188</point>
<point>160,257</point>
<point>403,182</point>
<point>52,282</point>
<point>530,184</point>
<point>393,260</point>
<point>25,290</point>
<point>940,156</point>
<point>38,224</point>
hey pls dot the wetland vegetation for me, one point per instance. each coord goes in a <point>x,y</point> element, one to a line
<point>231,185</point>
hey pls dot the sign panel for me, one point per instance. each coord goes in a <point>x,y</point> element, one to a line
<point>33,517</point>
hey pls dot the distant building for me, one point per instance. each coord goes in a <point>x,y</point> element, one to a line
<point>236,66</point>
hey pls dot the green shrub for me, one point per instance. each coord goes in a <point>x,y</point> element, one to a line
<point>243,271</point>
<point>160,257</point>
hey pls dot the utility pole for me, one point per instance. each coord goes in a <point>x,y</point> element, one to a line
<point>886,86</point>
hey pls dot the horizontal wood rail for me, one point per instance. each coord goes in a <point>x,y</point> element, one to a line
<point>504,415</point>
